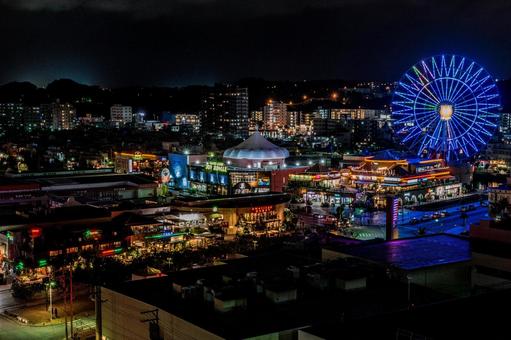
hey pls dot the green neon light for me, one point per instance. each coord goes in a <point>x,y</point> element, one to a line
<point>164,235</point>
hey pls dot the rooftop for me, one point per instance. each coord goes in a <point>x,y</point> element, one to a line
<point>272,271</point>
<point>247,200</point>
<point>415,253</point>
<point>256,147</point>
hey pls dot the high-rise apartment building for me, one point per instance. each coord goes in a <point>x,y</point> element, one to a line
<point>19,116</point>
<point>11,116</point>
<point>225,110</point>
<point>33,118</point>
<point>275,115</point>
<point>61,116</point>
<point>256,120</point>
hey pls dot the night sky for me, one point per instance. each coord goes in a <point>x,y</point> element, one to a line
<point>180,42</point>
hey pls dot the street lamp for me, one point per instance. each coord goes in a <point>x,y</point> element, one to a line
<point>50,285</point>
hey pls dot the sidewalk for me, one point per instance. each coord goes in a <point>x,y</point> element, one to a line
<point>39,316</point>
<point>5,287</point>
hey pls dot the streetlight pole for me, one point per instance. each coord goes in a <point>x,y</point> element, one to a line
<point>71,298</point>
<point>51,305</point>
<point>65,303</point>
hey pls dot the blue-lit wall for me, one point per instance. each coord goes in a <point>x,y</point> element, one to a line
<point>198,174</point>
<point>179,170</point>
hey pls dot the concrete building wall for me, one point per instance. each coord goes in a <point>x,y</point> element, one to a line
<point>304,335</point>
<point>452,279</point>
<point>121,320</point>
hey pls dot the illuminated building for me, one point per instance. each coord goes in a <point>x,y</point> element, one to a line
<point>61,116</point>
<point>225,110</point>
<point>494,164</point>
<point>253,213</point>
<point>217,178</point>
<point>32,118</point>
<point>412,179</point>
<point>256,120</point>
<point>139,162</point>
<point>256,152</point>
<point>187,119</point>
<point>10,116</point>
<point>319,183</point>
<point>121,115</point>
<point>43,189</point>
<point>505,122</point>
<point>275,115</point>
<point>180,164</point>
<point>254,166</point>
<point>19,116</point>
<point>499,199</point>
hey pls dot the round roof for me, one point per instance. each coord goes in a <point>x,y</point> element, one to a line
<point>256,147</point>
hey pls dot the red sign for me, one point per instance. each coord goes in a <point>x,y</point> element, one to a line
<point>35,232</point>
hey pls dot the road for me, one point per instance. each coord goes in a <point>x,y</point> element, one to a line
<point>7,301</point>
<point>452,224</point>
<point>372,225</point>
<point>12,330</point>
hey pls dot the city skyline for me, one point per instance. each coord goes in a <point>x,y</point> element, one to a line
<point>258,169</point>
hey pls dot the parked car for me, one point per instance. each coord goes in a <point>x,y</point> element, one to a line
<point>425,218</point>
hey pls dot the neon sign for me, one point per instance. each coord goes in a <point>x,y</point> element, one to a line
<point>216,167</point>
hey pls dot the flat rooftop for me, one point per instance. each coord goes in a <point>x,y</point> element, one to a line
<point>246,200</point>
<point>313,305</point>
<point>415,253</point>
<point>137,179</point>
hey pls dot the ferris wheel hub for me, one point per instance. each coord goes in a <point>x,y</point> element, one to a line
<point>445,110</point>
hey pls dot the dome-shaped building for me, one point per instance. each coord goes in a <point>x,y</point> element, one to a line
<point>255,152</point>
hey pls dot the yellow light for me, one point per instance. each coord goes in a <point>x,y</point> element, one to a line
<point>445,111</point>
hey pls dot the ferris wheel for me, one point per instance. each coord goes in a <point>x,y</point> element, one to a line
<point>446,106</point>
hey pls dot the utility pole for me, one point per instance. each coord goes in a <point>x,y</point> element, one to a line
<point>51,304</point>
<point>65,303</point>
<point>71,298</point>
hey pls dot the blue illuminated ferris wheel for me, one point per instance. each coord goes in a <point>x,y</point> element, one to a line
<point>446,106</point>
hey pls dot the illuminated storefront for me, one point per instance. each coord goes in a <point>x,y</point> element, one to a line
<point>319,184</point>
<point>264,218</point>
<point>253,214</point>
<point>249,182</point>
<point>210,178</point>
<point>138,162</point>
<point>254,166</point>
<point>219,179</point>
<point>415,180</point>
